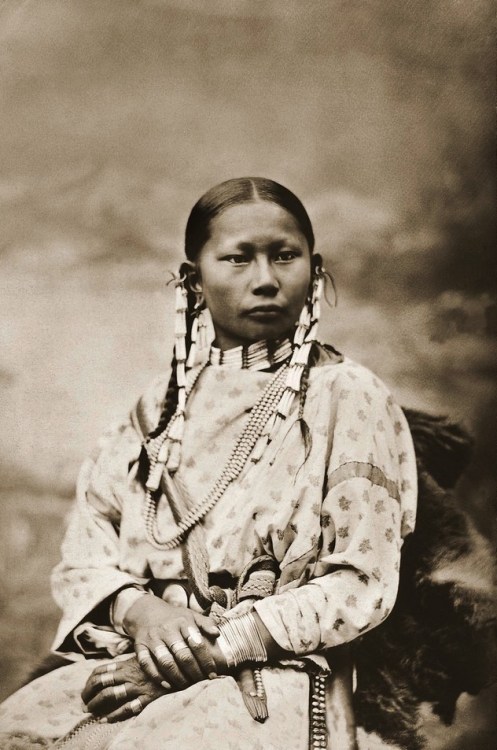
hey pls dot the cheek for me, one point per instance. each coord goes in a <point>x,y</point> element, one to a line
<point>300,288</point>
<point>211,284</point>
<point>219,296</point>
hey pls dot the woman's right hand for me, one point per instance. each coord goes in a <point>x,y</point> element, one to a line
<point>175,646</point>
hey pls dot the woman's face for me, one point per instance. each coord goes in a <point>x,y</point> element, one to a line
<point>254,272</point>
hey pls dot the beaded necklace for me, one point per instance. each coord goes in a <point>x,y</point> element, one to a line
<point>257,356</point>
<point>267,416</point>
<point>263,409</point>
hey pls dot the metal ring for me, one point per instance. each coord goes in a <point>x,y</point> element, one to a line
<point>120,691</point>
<point>161,651</point>
<point>111,667</point>
<point>107,679</point>
<point>135,706</point>
<point>195,636</point>
<point>177,646</point>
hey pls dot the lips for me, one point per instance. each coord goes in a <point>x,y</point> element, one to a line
<point>265,310</point>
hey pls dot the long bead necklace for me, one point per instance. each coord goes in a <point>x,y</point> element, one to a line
<point>158,449</point>
<point>261,413</point>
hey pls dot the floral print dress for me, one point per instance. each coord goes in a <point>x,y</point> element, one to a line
<point>334,520</point>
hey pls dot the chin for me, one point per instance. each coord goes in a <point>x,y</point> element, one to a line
<point>267,332</point>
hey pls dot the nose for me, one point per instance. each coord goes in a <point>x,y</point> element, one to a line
<point>264,281</point>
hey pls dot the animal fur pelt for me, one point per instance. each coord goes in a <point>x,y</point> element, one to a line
<point>439,640</point>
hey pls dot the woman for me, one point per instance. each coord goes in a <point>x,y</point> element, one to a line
<point>241,526</point>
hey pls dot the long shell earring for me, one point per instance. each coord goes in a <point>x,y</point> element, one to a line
<point>198,336</point>
<point>305,336</point>
<point>175,433</point>
<point>166,447</point>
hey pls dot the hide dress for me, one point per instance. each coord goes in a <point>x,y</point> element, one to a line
<point>333,519</point>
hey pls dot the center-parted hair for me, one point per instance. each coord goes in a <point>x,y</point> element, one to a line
<point>233,193</point>
<point>219,198</point>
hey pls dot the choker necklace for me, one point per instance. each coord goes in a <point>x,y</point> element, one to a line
<point>261,355</point>
<point>265,420</point>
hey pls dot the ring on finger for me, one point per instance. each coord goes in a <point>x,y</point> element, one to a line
<point>161,651</point>
<point>107,679</point>
<point>120,691</point>
<point>135,705</point>
<point>111,667</point>
<point>177,646</point>
<point>195,636</point>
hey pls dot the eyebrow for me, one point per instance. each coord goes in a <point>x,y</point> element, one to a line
<point>247,247</point>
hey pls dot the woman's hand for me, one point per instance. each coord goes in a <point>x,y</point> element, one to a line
<point>119,690</point>
<point>175,646</point>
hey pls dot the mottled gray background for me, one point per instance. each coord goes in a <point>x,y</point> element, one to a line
<point>117,114</point>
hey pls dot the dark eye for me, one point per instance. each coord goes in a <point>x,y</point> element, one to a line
<point>236,259</point>
<point>284,256</point>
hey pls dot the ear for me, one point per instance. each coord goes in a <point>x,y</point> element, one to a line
<point>192,273</point>
<point>316,261</point>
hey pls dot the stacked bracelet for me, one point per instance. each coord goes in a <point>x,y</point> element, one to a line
<point>240,640</point>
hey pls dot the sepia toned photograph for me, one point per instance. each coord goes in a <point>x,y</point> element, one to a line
<point>248,358</point>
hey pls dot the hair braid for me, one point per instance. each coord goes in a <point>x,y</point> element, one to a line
<point>171,398</point>
<point>216,200</point>
<point>170,402</point>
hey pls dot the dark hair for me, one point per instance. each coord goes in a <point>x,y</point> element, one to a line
<point>233,193</point>
<point>216,200</point>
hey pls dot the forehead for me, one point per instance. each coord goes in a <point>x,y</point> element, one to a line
<point>255,222</point>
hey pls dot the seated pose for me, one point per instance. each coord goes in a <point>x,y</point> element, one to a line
<point>242,528</point>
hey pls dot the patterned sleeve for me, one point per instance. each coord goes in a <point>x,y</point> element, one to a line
<point>89,571</point>
<point>368,507</point>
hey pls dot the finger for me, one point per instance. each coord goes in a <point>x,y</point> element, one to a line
<point>133,708</point>
<point>206,625</point>
<point>114,673</point>
<point>185,658</point>
<point>112,698</point>
<point>201,651</point>
<point>103,676</point>
<point>146,663</point>
<point>90,690</point>
<point>168,666</point>
<point>97,682</point>
<point>92,687</point>
<point>101,703</point>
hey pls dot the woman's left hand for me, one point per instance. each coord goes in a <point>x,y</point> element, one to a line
<point>119,690</point>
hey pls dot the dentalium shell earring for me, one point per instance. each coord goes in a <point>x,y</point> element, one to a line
<point>168,449</point>
<point>198,336</point>
<point>266,417</point>
<point>175,433</point>
<point>305,337</point>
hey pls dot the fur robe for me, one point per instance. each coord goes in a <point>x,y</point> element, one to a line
<point>439,640</point>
